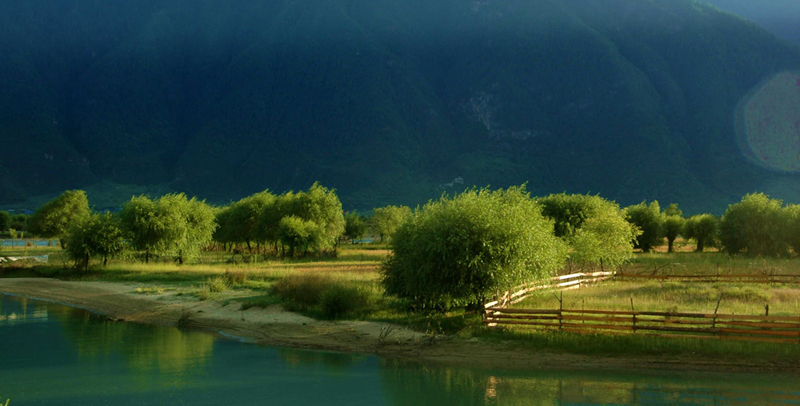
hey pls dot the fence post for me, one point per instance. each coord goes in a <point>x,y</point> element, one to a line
<point>714,320</point>
<point>634,315</point>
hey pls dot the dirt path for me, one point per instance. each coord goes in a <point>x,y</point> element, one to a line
<point>275,326</point>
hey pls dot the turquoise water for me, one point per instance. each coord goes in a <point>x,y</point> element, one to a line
<point>56,355</point>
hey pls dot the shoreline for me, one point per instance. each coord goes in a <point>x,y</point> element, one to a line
<point>274,326</point>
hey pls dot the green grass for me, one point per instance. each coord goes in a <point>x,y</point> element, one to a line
<point>640,344</point>
<point>354,276</point>
<point>737,298</point>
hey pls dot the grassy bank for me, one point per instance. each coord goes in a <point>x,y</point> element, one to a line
<point>348,287</point>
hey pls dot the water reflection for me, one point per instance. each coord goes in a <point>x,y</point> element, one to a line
<point>475,387</point>
<point>53,354</point>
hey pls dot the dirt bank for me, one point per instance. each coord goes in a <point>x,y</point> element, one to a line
<point>275,326</point>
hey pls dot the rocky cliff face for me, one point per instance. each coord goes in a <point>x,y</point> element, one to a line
<point>384,100</point>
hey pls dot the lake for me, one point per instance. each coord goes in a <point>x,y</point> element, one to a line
<point>58,355</point>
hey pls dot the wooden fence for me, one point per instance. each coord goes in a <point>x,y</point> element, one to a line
<point>751,278</point>
<point>565,282</point>
<point>781,329</point>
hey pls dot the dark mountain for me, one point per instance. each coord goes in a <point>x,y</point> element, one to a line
<point>782,17</point>
<point>386,101</point>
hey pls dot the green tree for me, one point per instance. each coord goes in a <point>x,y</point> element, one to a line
<point>19,222</point>
<point>5,220</point>
<point>793,232</point>
<point>756,226</point>
<point>595,229</point>
<point>97,235</point>
<point>386,220</point>
<point>150,226</point>
<point>355,226</point>
<point>54,218</point>
<point>245,217</point>
<point>650,221</point>
<point>703,229</point>
<point>673,210</point>
<point>462,250</point>
<point>673,227</point>
<point>200,225</point>
<point>317,205</point>
<point>297,233</point>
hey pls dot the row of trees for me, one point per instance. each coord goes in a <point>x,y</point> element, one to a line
<point>296,222</point>
<point>464,249</point>
<point>755,226</point>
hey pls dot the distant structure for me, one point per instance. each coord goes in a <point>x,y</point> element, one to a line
<point>457,181</point>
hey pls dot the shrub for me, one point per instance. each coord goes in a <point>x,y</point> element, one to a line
<point>235,277</point>
<point>650,221</point>
<point>339,300</point>
<point>302,290</point>
<point>217,284</point>
<point>462,250</point>
<point>703,229</point>
<point>756,226</point>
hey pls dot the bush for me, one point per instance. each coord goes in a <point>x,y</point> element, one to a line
<point>303,291</point>
<point>703,229</point>
<point>650,221</point>
<point>235,277</point>
<point>217,284</point>
<point>756,226</point>
<point>339,300</point>
<point>464,249</point>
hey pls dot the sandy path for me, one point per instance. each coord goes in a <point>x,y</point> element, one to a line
<point>275,326</point>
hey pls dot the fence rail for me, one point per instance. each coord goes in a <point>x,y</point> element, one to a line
<point>751,278</point>
<point>564,282</point>
<point>781,329</point>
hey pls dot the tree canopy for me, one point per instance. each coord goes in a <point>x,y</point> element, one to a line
<point>463,249</point>
<point>650,221</point>
<point>595,228</point>
<point>56,216</point>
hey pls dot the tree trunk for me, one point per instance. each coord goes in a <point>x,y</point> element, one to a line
<point>105,261</point>
<point>146,256</point>
<point>700,245</point>
<point>670,241</point>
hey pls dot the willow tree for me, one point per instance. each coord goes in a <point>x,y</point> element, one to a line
<point>756,226</point>
<point>386,220</point>
<point>99,235</point>
<point>703,229</point>
<point>595,229</point>
<point>55,217</point>
<point>461,250</point>
<point>650,221</point>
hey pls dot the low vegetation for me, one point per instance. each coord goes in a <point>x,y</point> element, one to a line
<point>444,260</point>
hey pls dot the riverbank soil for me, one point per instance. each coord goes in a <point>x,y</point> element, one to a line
<point>273,325</point>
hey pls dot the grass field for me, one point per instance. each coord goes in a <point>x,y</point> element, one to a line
<point>354,278</point>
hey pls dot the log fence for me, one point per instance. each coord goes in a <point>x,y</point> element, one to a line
<point>564,282</point>
<point>780,329</point>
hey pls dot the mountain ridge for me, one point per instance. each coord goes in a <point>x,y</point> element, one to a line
<point>384,101</point>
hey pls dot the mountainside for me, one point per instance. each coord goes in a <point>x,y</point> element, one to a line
<point>387,101</point>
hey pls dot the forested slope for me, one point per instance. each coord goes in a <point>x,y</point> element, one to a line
<point>386,101</point>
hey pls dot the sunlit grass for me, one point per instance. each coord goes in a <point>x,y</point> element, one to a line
<point>737,298</point>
